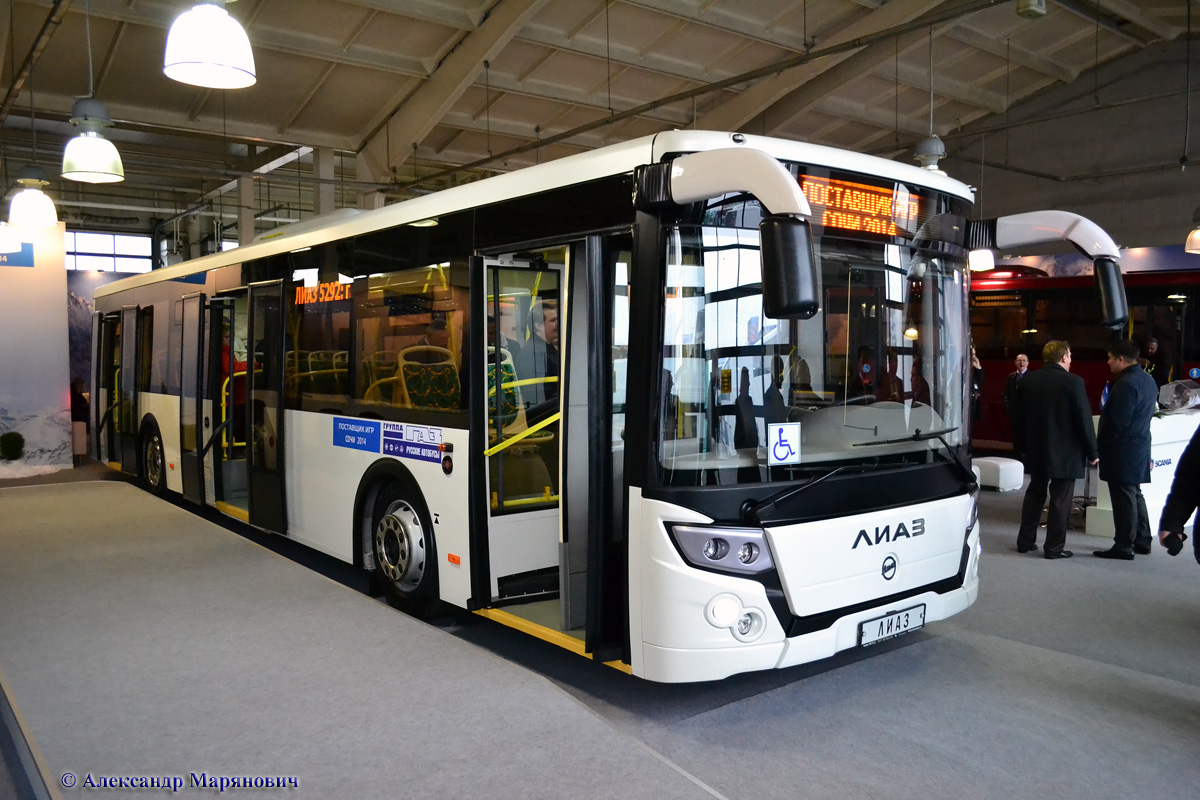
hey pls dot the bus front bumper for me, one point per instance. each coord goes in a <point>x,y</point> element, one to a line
<point>678,665</point>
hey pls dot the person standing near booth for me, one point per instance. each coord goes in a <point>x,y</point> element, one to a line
<point>1124,441</point>
<point>1052,429</point>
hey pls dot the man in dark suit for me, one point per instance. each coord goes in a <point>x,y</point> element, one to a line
<point>1010,383</point>
<point>1052,428</point>
<point>1124,441</point>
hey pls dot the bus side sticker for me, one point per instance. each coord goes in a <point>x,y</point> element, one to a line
<point>356,434</point>
<point>412,441</point>
<point>419,442</point>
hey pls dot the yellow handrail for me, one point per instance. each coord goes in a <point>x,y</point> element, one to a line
<point>550,420</point>
<point>523,382</point>
<point>225,410</point>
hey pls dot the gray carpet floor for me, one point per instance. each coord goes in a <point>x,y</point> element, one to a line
<point>142,640</point>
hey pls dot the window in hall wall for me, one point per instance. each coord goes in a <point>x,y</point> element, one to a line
<point>107,252</point>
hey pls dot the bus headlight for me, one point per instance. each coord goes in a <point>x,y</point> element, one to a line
<point>750,625</point>
<point>973,515</point>
<point>742,550</point>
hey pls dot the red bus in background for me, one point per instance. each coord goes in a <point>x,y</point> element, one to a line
<point>1018,309</point>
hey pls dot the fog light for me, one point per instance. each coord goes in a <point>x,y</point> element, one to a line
<point>715,549</point>
<point>750,625</point>
<point>722,611</point>
<point>747,552</point>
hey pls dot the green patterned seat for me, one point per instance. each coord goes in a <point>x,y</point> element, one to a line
<point>432,386</point>
<point>508,398</point>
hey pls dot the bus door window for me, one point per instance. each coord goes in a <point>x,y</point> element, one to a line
<point>232,368</point>
<point>524,363</point>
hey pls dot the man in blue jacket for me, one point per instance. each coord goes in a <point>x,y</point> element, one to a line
<point>1124,442</point>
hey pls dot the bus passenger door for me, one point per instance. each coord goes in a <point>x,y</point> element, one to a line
<point>595,347</point>
<point>520,377</point>
<point>264,412</point>
<point>127,395</point>
<point>103,395</point>
<point>223,390</point>
<point>191,396</point>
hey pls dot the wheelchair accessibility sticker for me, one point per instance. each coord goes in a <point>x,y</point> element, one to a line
<point>783,443</point>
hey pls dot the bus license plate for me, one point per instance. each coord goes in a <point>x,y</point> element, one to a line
<point>901,622</point>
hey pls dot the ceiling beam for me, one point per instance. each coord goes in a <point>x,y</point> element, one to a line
<point>765,93</point>
<point>946,86</point>
<point>720,17</point>
<point>871,59</point>
<point>1011,52</point>
<point>1092,11</point>
<point>109,55</point>
<point>57,11</point>
<point>291,116</point>
<point>914,126</point>
<point>430,102</point>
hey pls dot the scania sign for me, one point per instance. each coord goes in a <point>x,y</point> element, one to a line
<point>887,534</point>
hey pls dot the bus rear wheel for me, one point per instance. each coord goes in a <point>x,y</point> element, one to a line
<point>403,546</point>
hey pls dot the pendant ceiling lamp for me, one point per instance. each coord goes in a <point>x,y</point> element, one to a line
<point>89,157</point>
<point>207,47</point>
<point>1192,245</point>
<point>30,209</point>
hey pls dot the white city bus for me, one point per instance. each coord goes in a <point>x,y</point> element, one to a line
<point>692,405</point>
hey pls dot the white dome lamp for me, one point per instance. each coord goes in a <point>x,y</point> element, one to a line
<point>89,157</point>
<point>30,209</point>
<point>207,47</point>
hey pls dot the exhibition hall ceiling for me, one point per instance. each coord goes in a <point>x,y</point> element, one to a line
<point>415,95</point>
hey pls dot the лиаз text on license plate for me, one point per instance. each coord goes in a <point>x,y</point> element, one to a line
<point>894,624</point>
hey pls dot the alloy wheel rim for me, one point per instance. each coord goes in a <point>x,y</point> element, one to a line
<point>400,546</point>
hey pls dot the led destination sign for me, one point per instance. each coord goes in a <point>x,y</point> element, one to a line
<point>322,293</point>
<point>859,207</point>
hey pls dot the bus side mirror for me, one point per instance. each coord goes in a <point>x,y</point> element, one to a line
<point>789,269</point>
<point>1114,309</point>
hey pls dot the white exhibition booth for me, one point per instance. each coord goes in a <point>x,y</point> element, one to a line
<point>1169,434</point>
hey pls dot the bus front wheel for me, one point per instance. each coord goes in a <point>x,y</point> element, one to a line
<point>403,546</point>
<point>153,462</point>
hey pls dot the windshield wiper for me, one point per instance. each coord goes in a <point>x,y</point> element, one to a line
<point>918,435</point>
<point>757,511</point>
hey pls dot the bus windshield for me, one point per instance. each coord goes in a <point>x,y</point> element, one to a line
<point>877,377</point>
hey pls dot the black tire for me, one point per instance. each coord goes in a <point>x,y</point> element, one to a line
<point>403,545</point>
<point>154,464</point>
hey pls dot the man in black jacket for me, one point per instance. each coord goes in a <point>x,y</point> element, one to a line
<point>1052,429</point>
<point>1124,442</point>
<point>1185,495</point>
